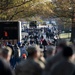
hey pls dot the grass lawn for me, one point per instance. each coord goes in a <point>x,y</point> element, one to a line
<point>65,35</point>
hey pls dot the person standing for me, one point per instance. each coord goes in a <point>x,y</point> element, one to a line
<point>5,67</point>
<point>65,66</point>
<point>30,66</point>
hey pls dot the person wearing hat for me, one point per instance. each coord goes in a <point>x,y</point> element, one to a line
<point>24,56</point>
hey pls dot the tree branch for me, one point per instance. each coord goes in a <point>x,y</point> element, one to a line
<point>15,14</point>
<point>16,5</point>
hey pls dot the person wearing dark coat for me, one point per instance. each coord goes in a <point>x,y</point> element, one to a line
<point>65,66</point>
<point>51,61</point>
<point>5,68</point>
<point>30,66</point>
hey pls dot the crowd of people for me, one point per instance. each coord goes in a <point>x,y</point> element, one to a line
<point>31,61</point>
<point>34,57</point>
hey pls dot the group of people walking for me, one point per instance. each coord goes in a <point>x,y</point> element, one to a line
<point>59,60</point>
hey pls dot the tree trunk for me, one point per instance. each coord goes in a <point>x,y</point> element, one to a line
<point>73,33</point>
<point>73,26</point>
